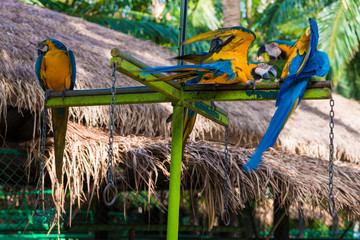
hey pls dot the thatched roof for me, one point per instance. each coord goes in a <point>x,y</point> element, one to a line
<point>24,26</point>
<point>147,160</point>
<point>146,156</point>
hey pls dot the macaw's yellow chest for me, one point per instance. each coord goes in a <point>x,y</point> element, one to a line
<point>56,70</point>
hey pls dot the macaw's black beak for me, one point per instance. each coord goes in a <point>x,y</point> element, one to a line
<point>261,50</point>
<point>273,71</point>
<point>266,76</point>
<point>272,58</point>
<point>42,48</point>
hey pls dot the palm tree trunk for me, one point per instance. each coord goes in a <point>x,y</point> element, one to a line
<point>248,13</point>
<point>231,11</point>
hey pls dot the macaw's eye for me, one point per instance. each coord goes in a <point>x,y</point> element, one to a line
<point>43,47</point>
<point>262,65</point>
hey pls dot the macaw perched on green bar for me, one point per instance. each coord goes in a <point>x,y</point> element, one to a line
<point>55,69</point>
<point>227,64</point>
<point>303,61</point>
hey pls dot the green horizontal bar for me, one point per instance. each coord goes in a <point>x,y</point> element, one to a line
<point>2,193</point>
<point>12,152</point>
<point>126,227</point>
<point>44,236</point>
<point>21,227</point>
<point>248,95</point>
<point>242,86</point>
<point>97,100</point>
<point>128,95</point>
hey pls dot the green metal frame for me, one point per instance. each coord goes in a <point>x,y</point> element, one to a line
<point>194,97</point>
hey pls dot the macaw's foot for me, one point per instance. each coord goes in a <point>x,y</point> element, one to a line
<point>281,80</point>
<point>218,84</point>
<point>251,82</point>
<point>213,106</point>
<point>47,94</point>
<point>63,93</point>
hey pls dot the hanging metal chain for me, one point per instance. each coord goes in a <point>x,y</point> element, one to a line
<point>332,209</point>
<point>226,213</point>
<point>111,184</point>
<point>42,165</point>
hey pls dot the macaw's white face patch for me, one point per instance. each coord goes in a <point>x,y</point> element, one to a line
<point>262,68</point>
<point>43,47</point>
<point>273,49</point>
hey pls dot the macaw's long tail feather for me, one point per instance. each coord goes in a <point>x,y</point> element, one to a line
<point>189,122</point>
<point>191,58</point>
<point>221,69</point>
<point>59,120</point>
<point>285,108</point>
<point>179,68</point>
<point>186,76</point>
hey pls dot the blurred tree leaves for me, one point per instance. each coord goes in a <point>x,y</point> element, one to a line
<point>338,20</point>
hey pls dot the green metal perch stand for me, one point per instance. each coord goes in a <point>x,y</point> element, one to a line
<point>194,97</point>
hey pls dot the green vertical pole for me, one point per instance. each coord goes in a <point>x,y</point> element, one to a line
<point>175,172</point>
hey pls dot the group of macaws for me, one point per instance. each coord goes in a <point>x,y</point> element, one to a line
<point>225,63</point>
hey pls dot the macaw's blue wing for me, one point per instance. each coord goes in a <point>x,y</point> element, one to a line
<point>189,122</point>
<point>317,65</point>
<point>298,61</point>
<point>38,69</point>
<point>73,69</point>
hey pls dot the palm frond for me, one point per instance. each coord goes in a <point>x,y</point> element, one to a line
<point>204,15</point>
<point>349,86</point>
<point>339,29</point>
<point>283,11</point>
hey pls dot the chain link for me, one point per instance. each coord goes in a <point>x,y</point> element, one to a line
<point>111,184</point>
<point>42,164</point>
<point>43,138</point>
<point>332,209</point>
<point>226,214</point>
<point>112,127</point>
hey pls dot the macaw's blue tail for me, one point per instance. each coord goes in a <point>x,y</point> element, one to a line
<point>290,100</point>
<point>59,121</point>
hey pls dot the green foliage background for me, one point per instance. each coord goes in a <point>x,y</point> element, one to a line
<point>338,20</point>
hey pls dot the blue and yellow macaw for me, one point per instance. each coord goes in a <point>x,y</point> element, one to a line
<point>227,64</point>
<point>303,61</point>
<point>55,69</point>
<point>189,115</point>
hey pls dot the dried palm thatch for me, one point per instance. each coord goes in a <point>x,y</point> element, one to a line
<point>306,132</point>
<point>264,211</point>
<point>24,26</point>
<point>146,158</point>
<point>142,162</point>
